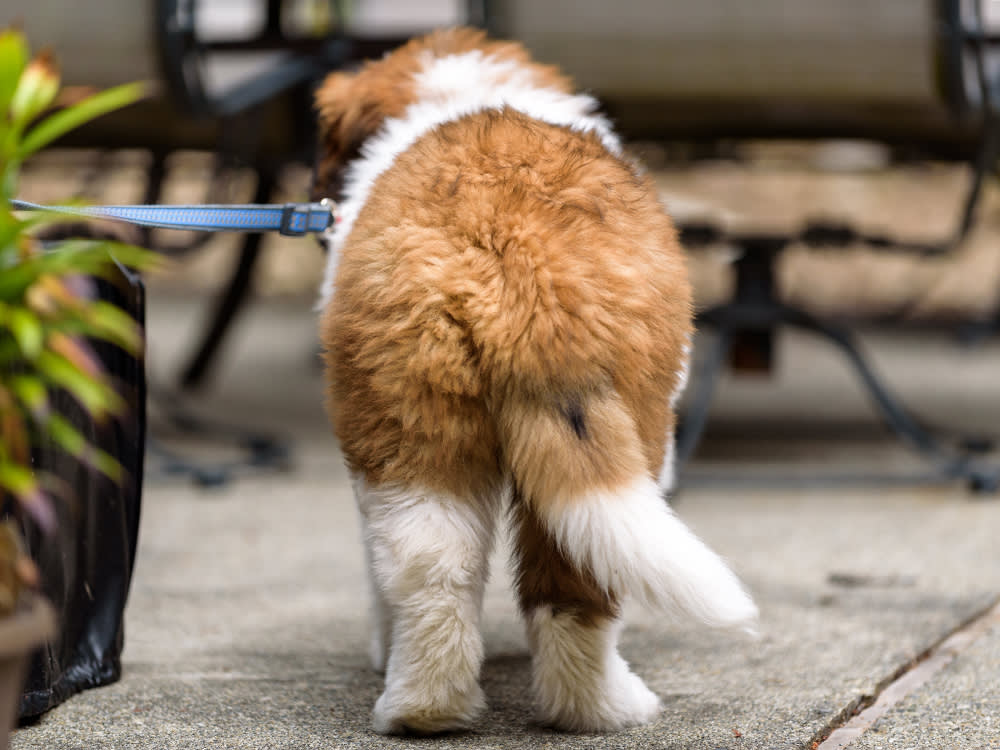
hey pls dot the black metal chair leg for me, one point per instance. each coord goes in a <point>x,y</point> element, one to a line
<point>950,461</point>
<point>953,463</point>
<point>231,301</point>
<point>895,414</point>
<point>703,383</point>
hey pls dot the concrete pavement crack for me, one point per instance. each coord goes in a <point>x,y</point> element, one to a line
<point>861,715</point>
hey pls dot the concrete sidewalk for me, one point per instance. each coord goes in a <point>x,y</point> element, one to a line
<point>247,627</point>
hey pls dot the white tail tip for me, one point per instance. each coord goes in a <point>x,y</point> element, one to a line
<point>631,542</point>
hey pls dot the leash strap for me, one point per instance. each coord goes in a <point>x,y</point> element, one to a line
<point>290,219</point>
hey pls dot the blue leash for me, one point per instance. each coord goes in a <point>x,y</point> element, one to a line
<point>290,219</point>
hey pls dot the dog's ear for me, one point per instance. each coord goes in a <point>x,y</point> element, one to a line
<point>349,111</point>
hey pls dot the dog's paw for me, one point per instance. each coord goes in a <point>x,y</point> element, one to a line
<point>629,702</point>
<point>402,712</point>
<point>623,700</point>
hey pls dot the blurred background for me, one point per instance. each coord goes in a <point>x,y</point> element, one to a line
<point>828,160</point>
<point>831,167</point>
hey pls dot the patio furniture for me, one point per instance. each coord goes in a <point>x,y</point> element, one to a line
<point>914,75</point>
<point>239,73</point>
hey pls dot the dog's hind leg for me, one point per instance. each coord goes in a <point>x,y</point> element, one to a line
<point>593,528</point>
<point>580,682</point>
<point>380,613</point>
<point>429,556</point>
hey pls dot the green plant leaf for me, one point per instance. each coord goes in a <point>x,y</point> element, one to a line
<point>104,254</point>
<point>32,394</point>
<point>89,257</point>
<point>28,331</point>
<point>10,229</point>
<point>16,478</point>
<point>36,90</point>
<point>77,351</point>
<point>13,281</point>
<point>35,219</point>
<point>13,431</point>
<point>94,396</point>
<point>9,352</point>
<point>13,58</point>
<point>137,258</point>
<point>108,465</point>
<point>73,442</point>
<point>65,120</point>
<point>21,483</point>
<point>115,325</point>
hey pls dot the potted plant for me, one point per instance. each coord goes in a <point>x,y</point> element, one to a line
<point>49,319</point>
<point>26,622</point>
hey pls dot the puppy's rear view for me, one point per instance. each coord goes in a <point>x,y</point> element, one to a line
<point>506,319</point>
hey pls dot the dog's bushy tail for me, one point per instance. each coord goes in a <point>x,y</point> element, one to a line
<point>580,470</point>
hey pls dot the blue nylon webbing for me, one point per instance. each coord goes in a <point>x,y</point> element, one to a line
<point>290,219</point>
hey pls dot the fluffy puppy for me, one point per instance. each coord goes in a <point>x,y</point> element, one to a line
<point>506,319</point>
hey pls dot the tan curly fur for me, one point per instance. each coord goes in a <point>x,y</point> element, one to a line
<point>502,270</point>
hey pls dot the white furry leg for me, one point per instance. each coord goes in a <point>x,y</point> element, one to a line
<point>429,559</point>
<point>380,614</point>
<point>581,683</point>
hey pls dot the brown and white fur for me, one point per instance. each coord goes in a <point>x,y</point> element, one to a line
<point>506,318</point>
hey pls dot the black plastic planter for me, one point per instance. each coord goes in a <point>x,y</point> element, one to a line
<point>86,566</point>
